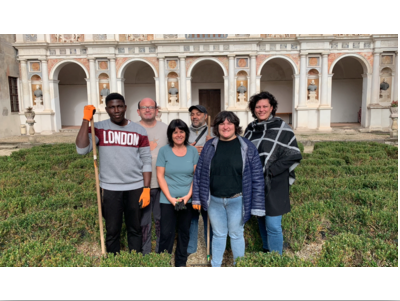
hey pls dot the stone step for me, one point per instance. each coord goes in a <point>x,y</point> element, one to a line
<point>69,130</point>
<point>8,146</point>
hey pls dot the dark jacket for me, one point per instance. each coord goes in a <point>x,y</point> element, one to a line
<point>252,178</point>
<point>280,155</point>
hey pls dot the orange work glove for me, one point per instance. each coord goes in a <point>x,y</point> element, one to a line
<point>144,199</point>
<point>88,112</point>
<point>197,207</point>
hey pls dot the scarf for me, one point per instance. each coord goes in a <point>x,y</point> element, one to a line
<point>275,140</point>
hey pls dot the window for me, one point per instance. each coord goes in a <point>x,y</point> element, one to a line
<point>12,81</point>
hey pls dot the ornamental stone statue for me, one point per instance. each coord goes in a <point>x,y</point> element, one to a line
<point>104,92</point>
<point>242,89</point>
<point>173,90</point>
<point>38,99</point>
<point>384,85</point>
<point>312,87</point>
<point>312,92</point>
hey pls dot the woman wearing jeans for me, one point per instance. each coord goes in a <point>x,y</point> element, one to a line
<point>279,155</point>
<point>228,183</point>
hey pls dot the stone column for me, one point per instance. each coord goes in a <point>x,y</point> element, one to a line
<point>25,85</point>
<point>189,92</point>
<point>396,79</point>
<point>258,84</point>
<point>161,77</point>
<point>92,77</point>
<point>113,75</point>
<point>156,82</point>
<point>226,93</point>
<point>231,81</point>
<point>46,87</point>
<point>182,83</point>
<point>375,79</point>
<point>253,74</point>
<point>303,81</point>
<point>324,80</point>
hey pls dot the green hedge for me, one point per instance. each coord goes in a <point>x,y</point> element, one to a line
<point>346,190</point>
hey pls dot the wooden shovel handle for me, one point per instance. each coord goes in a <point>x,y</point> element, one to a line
<point>103,248</point>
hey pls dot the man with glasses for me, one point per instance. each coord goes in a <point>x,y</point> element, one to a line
<point>198,137</point>
<point>157,135</point>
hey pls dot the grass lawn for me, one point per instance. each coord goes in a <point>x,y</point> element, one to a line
<point>344,211</point>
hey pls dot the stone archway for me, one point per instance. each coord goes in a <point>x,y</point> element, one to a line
<point>138,83</point>
<point>73,94</point>
<point>347,91</point>
<point>208,82</point>
<point>277,78</point>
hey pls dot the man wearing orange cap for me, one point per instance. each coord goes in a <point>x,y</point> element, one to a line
<point>157,134</point>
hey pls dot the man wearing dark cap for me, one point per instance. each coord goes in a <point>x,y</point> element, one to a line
<point>198,137</point>
<point>125,170</point>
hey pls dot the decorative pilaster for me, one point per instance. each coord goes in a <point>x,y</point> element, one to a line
<point>161,63</point>
<point>231,81</point>
<point>113,75</point>
<point>182,83</point>
<point>189,91</point>
<point>258,83</point>
<point>324,80</point>
<point>375,79</point>
<point>226,92</point>
<point>25,85</point>
<point>46,87</point>
<point>253,75</point>
<point>396,79</point>
<point>92,78</point>
<point>303,81</point>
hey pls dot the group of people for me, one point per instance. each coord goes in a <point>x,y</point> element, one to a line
<point>176,172</point>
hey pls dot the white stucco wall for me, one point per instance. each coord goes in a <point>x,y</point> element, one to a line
<point>283,92</point>
<point>346,100</point>
<point>9,121</point>
<point>72,100</point>
<point>133,94</point>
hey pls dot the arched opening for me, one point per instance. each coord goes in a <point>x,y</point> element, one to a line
<point>72,89</point>
<point>347,86</point>
<point>139,83</point>
<point>208,86</point>
<point>276,78</point>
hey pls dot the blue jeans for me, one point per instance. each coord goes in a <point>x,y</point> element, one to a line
<point>226,216</point>
<point>271,232</point>
<point>194,229</point>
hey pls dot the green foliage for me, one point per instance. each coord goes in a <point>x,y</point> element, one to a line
<point>259,259</point>
<point>350,250</point>
<point>346,190</point>
<point>126,259</point>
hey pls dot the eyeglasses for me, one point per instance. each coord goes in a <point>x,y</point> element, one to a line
<point>149,107</point>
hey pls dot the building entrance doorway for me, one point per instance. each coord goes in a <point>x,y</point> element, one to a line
<point>211,100</point>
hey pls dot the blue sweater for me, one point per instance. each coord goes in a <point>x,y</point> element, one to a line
<point>252,178</point>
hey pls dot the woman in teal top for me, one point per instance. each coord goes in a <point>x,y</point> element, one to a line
<point>176,163</point>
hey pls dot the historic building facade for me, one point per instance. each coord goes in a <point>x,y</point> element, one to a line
<point>318,80</point>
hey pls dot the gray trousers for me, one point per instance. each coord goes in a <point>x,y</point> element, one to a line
<point>153,207</point>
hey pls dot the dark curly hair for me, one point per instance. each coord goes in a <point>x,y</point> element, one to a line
<point>180,124</point>
<point>262,95</point>
<point>220,118</point>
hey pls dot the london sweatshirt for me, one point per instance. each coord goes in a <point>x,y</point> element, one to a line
<point>124,154</point>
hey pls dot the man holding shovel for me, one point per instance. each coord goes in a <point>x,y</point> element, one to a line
<point>198,137</point>
<point>125,170</point>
